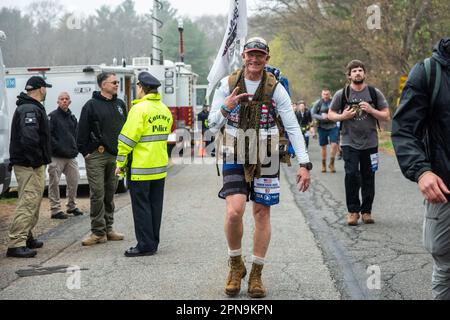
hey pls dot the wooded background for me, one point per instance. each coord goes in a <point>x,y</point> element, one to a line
<point>310,40</point>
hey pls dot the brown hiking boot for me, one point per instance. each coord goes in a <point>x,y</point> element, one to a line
<point>331,166</point>
<point>352,219</point>
<point>324,165</point>
<point>367,218</point>
<point>93,239</point>
<point>236,274</point>
<point>255,286</point>
<point>114,236</point>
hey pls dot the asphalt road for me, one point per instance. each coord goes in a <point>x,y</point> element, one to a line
<point>391,248</point>
<point>313,253</point>
<point>192,258</point>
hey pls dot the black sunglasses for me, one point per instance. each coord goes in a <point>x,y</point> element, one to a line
<point>256,45</point>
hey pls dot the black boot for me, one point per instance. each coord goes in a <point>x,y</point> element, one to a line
<point>32,243</point>
<point>21,252</point>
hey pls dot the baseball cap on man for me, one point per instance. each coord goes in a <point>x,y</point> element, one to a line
<point>148,80</point>
<point>36,82</point>
<point>256,44</point>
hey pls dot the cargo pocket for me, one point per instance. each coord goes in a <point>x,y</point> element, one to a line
<point>436,228</point>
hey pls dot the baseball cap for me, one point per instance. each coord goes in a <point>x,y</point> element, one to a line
<point>256,44</point>
<point>36,82</point>
<point>148,80</point>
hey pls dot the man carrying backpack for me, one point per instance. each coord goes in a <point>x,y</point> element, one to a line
<point>420,133</point>
<point>359,107</point>
<point>250,101</point>
<point>327,129</point>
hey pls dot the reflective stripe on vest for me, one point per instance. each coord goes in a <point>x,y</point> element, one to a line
<point>120,158</point>
<point>154,138</point>
<point>127,141</point>
<point>148,171</point>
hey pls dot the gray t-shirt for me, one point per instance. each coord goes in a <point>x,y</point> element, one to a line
<point>360,132</point>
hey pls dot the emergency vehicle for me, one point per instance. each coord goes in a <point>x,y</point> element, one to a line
<point>80,82</point>
<point>4,126</point>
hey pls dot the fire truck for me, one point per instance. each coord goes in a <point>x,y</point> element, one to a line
<point>178,91</point>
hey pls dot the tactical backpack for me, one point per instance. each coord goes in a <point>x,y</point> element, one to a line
<point>269,89</point>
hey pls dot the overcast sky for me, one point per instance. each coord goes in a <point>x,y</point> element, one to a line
<point>191,8</point>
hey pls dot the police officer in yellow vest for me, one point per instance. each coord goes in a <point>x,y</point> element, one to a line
<point>142,155</point>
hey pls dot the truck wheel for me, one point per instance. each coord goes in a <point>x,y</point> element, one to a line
<point>122,187</point>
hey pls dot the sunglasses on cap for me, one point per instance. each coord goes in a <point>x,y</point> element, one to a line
<point>257,46</point>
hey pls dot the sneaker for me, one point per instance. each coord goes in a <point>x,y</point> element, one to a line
<point>21,252</point>
<point>75,212</point>
<point>93,239</point>
<point>367,218</point>
<point>114,236</point>
<point>352,219</point>
<point>59,215</point>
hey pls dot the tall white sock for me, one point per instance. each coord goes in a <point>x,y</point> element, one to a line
<point>235,253</point>
<point>258,260</point>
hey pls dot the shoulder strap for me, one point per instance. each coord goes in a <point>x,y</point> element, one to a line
<point>233,79</point>
<point>434,73</point>
<point>344,97</point>
<point>374,98</point>
<point>270,85</point>
<point>373,95</point>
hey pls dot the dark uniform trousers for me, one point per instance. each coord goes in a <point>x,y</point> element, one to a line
<point>147,202</point>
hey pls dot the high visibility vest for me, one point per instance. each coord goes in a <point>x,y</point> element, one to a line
<point>145,135</point>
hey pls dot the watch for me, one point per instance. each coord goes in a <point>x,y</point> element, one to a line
<point>307,165</point>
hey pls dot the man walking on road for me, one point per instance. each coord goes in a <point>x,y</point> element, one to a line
<point>63,128</point>
<point>327,129</point>
<point>249,101</point>
<point>144,137</point>
<point>304,120</point>
<point>30,152</point>
<point>100,123</point>
<point>358,107</point>
<point>420,133</point>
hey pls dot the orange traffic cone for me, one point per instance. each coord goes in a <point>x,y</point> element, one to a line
<point>201,150</point>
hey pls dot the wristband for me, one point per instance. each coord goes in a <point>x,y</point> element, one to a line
<point>224,108</point>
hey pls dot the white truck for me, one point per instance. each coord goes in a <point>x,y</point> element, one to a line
<point>79,82</point>
<point>178,84</point>
<point>5,175</point>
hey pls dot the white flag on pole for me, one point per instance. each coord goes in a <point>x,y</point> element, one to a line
<point>231,45</point>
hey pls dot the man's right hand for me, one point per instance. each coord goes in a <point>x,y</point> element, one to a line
<point>433,188</point>
<point>348,114</point>
<point>232,100</point>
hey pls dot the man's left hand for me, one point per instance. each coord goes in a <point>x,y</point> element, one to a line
<point>119,172</point>
<point>303,179</point>
<point>366,107</point>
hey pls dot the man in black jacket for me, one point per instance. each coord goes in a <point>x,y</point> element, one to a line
<point>420,133</point>
<point>101,121</point>
<point>304,119</point>
<point>63,128</point>
<point>29,152</point>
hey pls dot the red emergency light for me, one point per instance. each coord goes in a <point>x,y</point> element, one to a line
<point>38,69</point>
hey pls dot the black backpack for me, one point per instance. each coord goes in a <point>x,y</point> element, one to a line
<point>346,95</point>
<point>433,71</point>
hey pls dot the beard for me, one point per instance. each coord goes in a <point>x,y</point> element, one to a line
<point>358,81</point>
